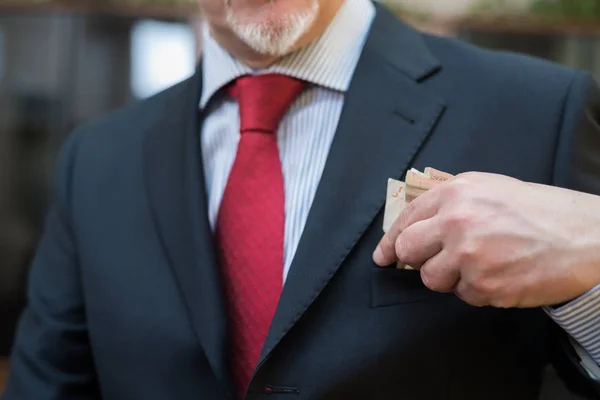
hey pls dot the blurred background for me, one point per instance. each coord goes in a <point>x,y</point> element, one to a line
<point>66,62</point>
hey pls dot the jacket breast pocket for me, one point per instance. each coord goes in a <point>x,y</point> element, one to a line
<point>392,286</point>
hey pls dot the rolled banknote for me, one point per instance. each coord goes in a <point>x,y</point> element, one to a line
<point>437,175</point>
<point>395,202</point>
<point>399,194</point>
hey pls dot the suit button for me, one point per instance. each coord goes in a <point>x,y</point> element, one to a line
<point>276,389</point>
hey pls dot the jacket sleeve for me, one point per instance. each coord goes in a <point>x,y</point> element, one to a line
<point>51,357</point>
<point>577,167</point>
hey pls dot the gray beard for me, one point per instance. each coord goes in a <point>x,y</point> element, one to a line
<point>278,40</point>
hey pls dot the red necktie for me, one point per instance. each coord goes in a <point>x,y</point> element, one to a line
<point>250,224</point>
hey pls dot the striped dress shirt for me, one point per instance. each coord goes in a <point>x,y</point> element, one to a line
<point>305,136</point>
<point>306,131</point>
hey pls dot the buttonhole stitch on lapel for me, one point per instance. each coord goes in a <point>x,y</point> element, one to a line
<point>405,117</point>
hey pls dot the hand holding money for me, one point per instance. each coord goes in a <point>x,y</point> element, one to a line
<point>493,240</point>
<point>402,193</point>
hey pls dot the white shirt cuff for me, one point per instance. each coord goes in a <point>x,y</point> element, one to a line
<point>581,319</point>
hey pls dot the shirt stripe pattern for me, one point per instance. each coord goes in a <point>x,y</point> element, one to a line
<point>306,132</point>
<point>581,319</point>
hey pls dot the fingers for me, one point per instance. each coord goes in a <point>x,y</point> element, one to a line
<point>422,208</point>
<point>419,242</point>
<point>467,293</point>
<point>439,274</point>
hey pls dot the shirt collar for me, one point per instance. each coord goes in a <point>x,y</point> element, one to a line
<point>329,61</point>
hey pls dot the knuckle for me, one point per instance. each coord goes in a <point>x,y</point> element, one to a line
<point>387,245</point>
<point>505,297</point>
<point>427,278</point>
<point>467,253</point>
<point>468,297</point>
<point>461,293</point>
<point>430,280</point>
<point>439,278</point>
<point>486,287</point>
<point>477,291</point>
<point>502,302</point>
<point>469,287</point>
<point>458,220</point>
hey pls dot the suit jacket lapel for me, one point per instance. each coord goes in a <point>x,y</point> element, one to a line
<point>175,188</point>
<point>385,120</point>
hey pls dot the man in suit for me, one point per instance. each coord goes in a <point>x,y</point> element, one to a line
<point>216,241</point>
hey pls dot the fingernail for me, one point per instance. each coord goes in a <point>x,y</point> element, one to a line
<point>425,280</point>
<point>378,256</point>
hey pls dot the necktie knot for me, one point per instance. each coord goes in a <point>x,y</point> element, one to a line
<point>264,100</point>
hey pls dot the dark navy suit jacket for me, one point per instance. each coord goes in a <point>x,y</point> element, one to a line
<point>124,294</point>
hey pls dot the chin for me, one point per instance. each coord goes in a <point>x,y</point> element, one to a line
<point>273,28</point>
